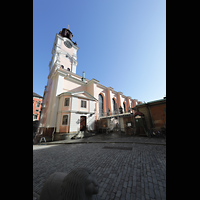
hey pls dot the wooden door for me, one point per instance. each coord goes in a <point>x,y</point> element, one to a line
<point>82,123</point>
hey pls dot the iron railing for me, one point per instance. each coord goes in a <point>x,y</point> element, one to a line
<point>110,114</point>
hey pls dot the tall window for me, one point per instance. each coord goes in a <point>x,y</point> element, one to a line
<point>124,107</point>
<point>101,105</point>
<point>38,104</point>
<point>114,105</point>
<point>65,120</point>
<point>83,104</point>
<point>66,102</point>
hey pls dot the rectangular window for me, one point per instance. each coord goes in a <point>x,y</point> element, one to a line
<point>35,116</point>
<point>66,102</point>
<point>38,104</point>
<point>83,104</point>
<point>65,120</point>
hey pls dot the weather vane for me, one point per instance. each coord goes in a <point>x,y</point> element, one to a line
<point>68,26</point>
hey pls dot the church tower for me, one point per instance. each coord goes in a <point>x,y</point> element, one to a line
<point>64,51</point>
<point>63,61</point>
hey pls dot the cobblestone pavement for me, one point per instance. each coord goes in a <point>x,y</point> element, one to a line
<point>122,173</point>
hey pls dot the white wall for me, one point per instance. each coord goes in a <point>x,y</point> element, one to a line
<point>74,122</point>
<point>91,122</point>
<point>92,106</point>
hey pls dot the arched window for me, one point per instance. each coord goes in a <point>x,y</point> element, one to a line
<point>101,105</point>
<point>68,69</point>
<point>124,107</point>
<point>114,105</point>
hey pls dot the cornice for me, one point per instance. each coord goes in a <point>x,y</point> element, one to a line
<point>101,86</point>
<point>92,81</point>
<point>75,80</point>
<point>110,88</point>
<point>75,94</point>
<point>120,93</point>
<point>75,111</point>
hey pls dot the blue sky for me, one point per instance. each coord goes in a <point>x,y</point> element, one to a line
<point>122,44</point>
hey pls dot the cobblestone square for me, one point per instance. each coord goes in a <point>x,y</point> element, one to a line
<point>124,171</point>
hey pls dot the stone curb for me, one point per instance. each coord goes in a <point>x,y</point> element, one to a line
<point>86,142</point>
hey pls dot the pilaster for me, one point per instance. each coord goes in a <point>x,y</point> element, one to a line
<point>109,98</point>
<point>119,94</point>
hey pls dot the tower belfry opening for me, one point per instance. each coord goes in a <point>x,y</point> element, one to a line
<point>67,33</point>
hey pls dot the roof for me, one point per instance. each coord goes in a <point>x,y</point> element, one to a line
<point>36,95</point>
<point>138,113</point>
<point>152,102</point>
<point>78,94</point>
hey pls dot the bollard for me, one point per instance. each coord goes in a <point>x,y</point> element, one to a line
<point>79,184</point>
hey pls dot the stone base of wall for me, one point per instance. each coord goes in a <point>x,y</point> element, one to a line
<point>63,136</point>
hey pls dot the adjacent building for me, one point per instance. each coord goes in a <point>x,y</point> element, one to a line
<point>37,104</point>
<point>153,113</point>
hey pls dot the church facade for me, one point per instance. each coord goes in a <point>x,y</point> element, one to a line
<point>71,102</point>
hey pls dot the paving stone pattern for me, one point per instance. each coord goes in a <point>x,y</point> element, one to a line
<point>137,174</point>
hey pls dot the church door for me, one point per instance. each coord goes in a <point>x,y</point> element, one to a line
<point>83,123</point>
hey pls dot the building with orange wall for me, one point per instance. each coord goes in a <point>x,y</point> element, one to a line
<point>37,105</point>
<point>154,113</point>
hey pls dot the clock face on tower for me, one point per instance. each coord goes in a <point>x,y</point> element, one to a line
<point>68,44</point>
